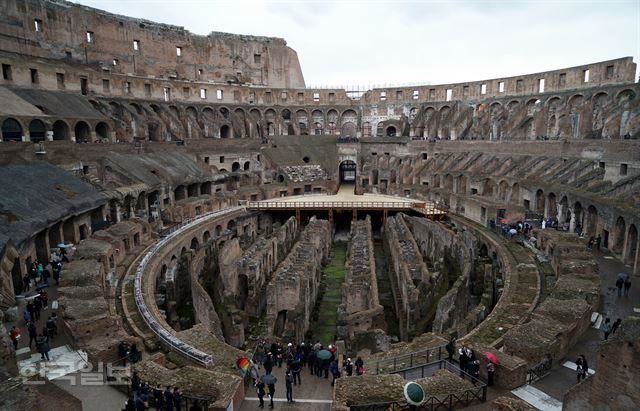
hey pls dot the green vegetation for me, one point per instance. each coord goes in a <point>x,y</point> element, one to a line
<point>324,328</point>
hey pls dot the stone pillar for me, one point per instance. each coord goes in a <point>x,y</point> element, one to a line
<point>26,137</point>
<point>636,263</point>
<point>48,135</point>
<point>546,208</point>
<point>572,222</point>
<point>560,215</point>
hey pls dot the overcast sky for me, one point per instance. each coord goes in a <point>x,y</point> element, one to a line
<point>345,42</point>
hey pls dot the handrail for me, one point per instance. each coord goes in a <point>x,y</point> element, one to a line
<point>158,329</point>
<point>400,362</point>
<point>433,402</point>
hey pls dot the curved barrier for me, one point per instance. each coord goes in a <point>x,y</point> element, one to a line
<point>154,325</point>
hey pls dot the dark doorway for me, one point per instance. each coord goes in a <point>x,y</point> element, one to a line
<point>348,171</point>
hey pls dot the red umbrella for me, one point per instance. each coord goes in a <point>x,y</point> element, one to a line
<point>491,357</point>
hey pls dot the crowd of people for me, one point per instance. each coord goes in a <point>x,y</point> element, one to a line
<point>143,397</point>
<point>320,361</point>
<point>37,305</point>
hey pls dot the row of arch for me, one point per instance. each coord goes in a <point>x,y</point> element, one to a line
<point>14,129</point>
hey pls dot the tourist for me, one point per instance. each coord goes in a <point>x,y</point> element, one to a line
<point>123,352</point>
<point>46,274</point>
<point>627,286</point>
<point>463,360</point>
<point>606,328</point>
<point>348,367</point>
<point>158,398</point>
<point>335,371</point>
<point>619,284</point>
<point>474,370</point>
<point>26,283</point>
<point>51,327</point>
<point>42,345</point>
<point>134,354</point>
<point>590,243</point>
<point>451,349</point>
<point>56,272</point>
<point>585,366</point>
<point>359,366</point>
<point>168,398</point>
<point>579,368</point>
<point>33,333</point>
<point>32,310</point>
<point>296,367</point>
<point>270,381</point>
<point>177,399</point>
<point>288,382</point>
<point>26,316</point>
<point>261,392</point>
<point>491,370</point>
<point>14,334</point>
<point>37,307</point>
<point>598,242</point>
<point>268,364</point>
<point>615,325</point>
<point>311,361</point>
<point>44,299</point>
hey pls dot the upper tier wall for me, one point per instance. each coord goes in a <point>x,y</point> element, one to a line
<point>63,30</point>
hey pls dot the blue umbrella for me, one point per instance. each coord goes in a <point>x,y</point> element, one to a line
<point>323,354</point>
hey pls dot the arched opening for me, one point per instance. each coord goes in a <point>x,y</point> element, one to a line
<point>218,231</point>
<point>246,166</point>
<point>488,188</point>
<point>235,166</point>
<point>348,171</point>
<point>11,130</point>
<point>102,130</point>
<point>540,201</point>
<point>577,213</point>
<point>225,131</point>
<point>502,190</point>
<point>552,206</point>
<point>618,236</point>
<point>206,236</point>
<point>243,291</point>
<point>231,225</point>
<point>194,243</point>
<point>592,222</point>
<point>180,193</point>
<point>60,131</point>
<point>391,131</point>
<point>632,245</point>
<point>348,129</point>
<point>515,193</point>
<point>83,132</point>
<point>152,132</point>
<point>37,131</point>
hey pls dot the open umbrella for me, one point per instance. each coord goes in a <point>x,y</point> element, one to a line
<point>243,365</point>
<point>269,379</point>
<point>491,357</point>
<point>62,245</point>
<point>323,354</point>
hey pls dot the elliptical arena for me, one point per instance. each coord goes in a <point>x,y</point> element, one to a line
<point>206,201</point>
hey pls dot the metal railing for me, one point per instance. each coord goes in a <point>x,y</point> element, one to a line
<point>477,393</point>
<point>154,325</point>
<point>332,204</point>
<point>411,360</point>
<point>539,371</point>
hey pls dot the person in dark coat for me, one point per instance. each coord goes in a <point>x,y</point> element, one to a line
<point>288,382</point>
<point>491,370</point>
<point>268,364</point>
<point>451,349</point>
<point>359,366</point>
<point>177,399</point>
<point>168,399</point>
<point>261,392</point>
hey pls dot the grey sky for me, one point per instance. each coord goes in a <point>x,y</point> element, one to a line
<point>395,42</point>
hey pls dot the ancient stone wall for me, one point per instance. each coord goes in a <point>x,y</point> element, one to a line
<point>360,310</point>
<point>293,290</point>
<point>122,44</point>
<point>559,321</point>
<point>414,287</point>
<point>614,385</point>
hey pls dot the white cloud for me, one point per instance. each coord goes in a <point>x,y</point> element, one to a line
<point>377,42</point>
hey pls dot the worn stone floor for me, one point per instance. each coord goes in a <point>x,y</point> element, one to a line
<point>313,394</point>
<point>561,378</point>
<point>345,193</point>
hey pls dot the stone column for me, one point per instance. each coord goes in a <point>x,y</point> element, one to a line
<point>572,222</point>
<point>560,216</point>
<point>636,263</point>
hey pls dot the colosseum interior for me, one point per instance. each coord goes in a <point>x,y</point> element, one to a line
<point>201,200</point>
